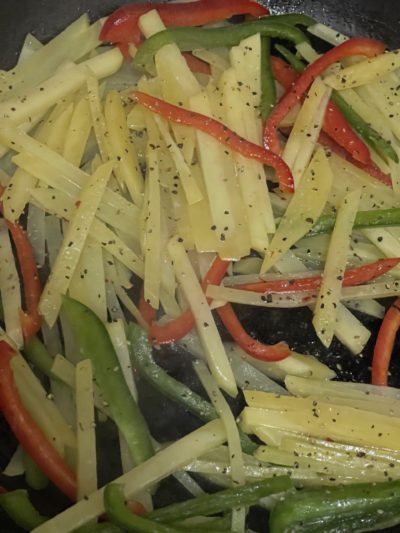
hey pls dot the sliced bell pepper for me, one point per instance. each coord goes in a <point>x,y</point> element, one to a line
<point>146,310</point>
<point>31,321</point>
<point>385,343</point>
<point>335,124</point>
<point>258,350</point>
<point>268,90</point>
<point>142,355</point>
<point>352,47</point>
<point>381,146</point>
<point>353,276</point>
<point>19,508</point>
<point>295,63</point>
<point>283,73</point>
<point>357,507</point>
<point>122,25</point>
<point>176,329</point>
<point>197,65</point>
<point>181,326</point>
<point>369,168</point>
<point>220,132</point>
<point>189,39</point>
<point>376,218</point>
<point>95,344</point>
<point>28,434</point>
<point>223,500</point>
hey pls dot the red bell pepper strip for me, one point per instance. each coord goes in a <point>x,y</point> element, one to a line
<point>146,310</point>
<point>384,344</point>
<point>352,47</point>
<point>179,327</point>
<point>220,132</point>
<point>284,74</point>
<point>196,65</point>
<point>136,507</point>
<point>369,168</point>
<point>353,276</point>
<point>122,25</point>
<point>28,434</point>
<point>335,125</point>
<point>31,321</point>
<point>256,349</point>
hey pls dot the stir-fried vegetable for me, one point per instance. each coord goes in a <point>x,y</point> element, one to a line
<point>220,132</point>
<point>18,507</point>
<point>122,25</point>
<point>27,432</point>
<point>147,197</point>
<point>353,508</point>
<point>95,344</point>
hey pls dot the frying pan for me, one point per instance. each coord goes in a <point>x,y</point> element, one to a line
<point>46,18</point>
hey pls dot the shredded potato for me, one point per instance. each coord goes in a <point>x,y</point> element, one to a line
<point>146,196</point>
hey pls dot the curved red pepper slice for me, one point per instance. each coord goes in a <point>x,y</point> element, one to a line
<point>31,321</point>
<point>369,168</point>
<point>146,310</point>
<point>353,276</point>
<point>256,349</point>
<point>181,326</point>
<point>28,434</point>
<point>352,47</point>
<point>122,25</point>
<point>196,65</point>
<point>220,132</point>
<point>335,125</point>
<point>385,343</point>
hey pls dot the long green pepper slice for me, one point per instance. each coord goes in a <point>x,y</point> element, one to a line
<point>336,509</point>
<point>296,63</point>
<point>95,344</point>
<point>370,136</point>
<point>118,513</point>
<point>364,219</point>
<point>19,508</point>
<point>268,89</point>
<point>189,39</point>
<point>223,500</point>
<point>36,352</point>
<point>142,356</point>
<point>34,477</point>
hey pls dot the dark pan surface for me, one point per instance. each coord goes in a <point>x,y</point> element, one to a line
<point>45,18</point>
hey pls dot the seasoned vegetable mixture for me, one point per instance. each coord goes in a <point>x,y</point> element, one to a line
<point>160,168</point>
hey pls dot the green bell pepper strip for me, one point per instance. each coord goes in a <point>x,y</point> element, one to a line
<point>34,477</point>
<point>94,343</point>
<point>291,58</point>
<point>268,89</point>
<point>19,508</point>
<point>120,515</point>
<point>293,19</point>
<point>36,352</point>
<point>224,500</point>
<point>364,219</point>
<point>142,356</point>
<point>334,509</point>
<point>101,527</point>
<point>380,516</point>
<point>189,39</point>
<point>370,136</point>
<point>216,524</point>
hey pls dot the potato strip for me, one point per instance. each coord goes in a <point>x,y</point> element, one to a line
<point>74,240</point>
